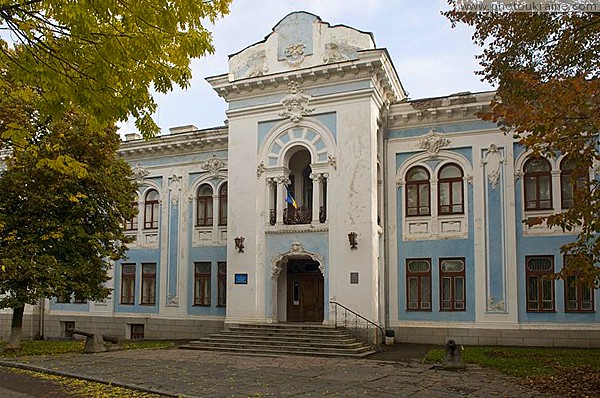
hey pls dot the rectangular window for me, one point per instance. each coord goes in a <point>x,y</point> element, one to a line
<point>222,284</point>
<point>579,297</point>
<point>452,284</point>
<point>539,284</point>
<point>418,284</point>
<point>148,284</point>
<point>69,326</point>
<point>137,331</point>
<point>127,283</point>
<point>202,284</point>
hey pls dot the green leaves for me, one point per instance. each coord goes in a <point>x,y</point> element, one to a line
<point>106,56</point>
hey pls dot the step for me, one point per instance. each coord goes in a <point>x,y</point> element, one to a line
<point>278,347</point>
<point>279,352</point>
<point>299,339</point>
<point>253,343</point>
<point>284,334</point>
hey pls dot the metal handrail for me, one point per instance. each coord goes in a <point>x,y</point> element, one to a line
<point>380,338</point>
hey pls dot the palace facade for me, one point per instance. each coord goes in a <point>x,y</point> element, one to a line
<point>327,184</point>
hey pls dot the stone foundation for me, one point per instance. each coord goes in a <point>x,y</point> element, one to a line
<point>153,328</point>
<point>508,337</point>
<point>31,326</point>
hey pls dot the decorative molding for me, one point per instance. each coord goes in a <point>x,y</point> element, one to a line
<point>260,169</point>
<point>332,161</point>
<point>399,182</point>
<point>213,165</point>
<point>469,179</point>
<point>172,300</point>
<point>336,52</point>
<point>139,173</point>
<point>493,160</point>
<point>294,54</point>
<point>175,188</point>
<point>285,180</point>
<point>519,174</point>
<point>495,306</point>
<point>295,104</point>
<point>296,250</point>
<point>433,142</point>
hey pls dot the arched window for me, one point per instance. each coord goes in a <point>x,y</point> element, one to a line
<point>204,206</point>
<point>567,191</point>
<point>132,223</point>
<point>450,190</point>
<point>538,184</point>
<point>223,204</point>
<point>151,210</point>
<point>417,192</point>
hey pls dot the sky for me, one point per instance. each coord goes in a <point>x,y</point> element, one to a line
<point>432,58</point>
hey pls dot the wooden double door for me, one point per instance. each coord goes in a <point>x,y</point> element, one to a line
<point>305,291</point>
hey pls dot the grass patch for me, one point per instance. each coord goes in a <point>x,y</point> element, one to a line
<point>525,362</point>
<point>57,347</point>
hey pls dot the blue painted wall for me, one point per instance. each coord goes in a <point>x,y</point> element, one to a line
<point>137,257</point>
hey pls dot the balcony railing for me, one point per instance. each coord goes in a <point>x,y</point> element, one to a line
<point>272,217</point>
<point>301,215</point>
<point>322,214</point>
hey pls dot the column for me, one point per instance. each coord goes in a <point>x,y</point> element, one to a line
<point>281,183</point>
<point>316,178</point>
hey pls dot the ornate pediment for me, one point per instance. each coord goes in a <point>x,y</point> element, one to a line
<point>433,142</point>
<point>296,251</point>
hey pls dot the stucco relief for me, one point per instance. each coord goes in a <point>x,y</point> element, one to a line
<point>338,52</point>
<point>494,305</point>
<point>213,165</point>
<point>492,162</point>
<point>433,142</point>
<point>255,65</point>
<point>295,104</point>
<point>260,169</point>
<point>175,188</point>
<point>139,173</point>
<point>296,251</point>
<point>332,161</point>
<point>294,54</point>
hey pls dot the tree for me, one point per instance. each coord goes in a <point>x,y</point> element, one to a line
<point>60,225</point>
<point>546,66</point>
<point>104,56</point>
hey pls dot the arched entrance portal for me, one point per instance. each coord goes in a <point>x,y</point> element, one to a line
<point>298,286</point>
<point>305,291</point>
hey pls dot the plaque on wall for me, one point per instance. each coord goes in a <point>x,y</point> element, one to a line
<point>241,279</point>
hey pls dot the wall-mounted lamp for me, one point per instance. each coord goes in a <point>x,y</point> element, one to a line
<point>352,239</point>
<point>239,243</point>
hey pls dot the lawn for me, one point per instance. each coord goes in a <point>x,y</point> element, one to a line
<point>54,347</point>
<point>569,372</point>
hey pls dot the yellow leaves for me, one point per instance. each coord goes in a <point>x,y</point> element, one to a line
<point>52,235</point>
<point>75,198</point>
<point>65,164</point>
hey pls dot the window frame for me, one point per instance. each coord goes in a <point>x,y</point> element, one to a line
<point>419,276</point>
<point>450,181</point>
<point>152,209</point>
<point>541,277</point>
<point>454,276</point>
<point>417,184</point>
<point>221,284</point>
<point>133,223</point>
<point>223,190</point>
<point>579,290</point>
<point>129,279</point>
<point>204,298</point>
<point>565,181</point>
<point>207,200</point>
<point>148,281</point>
<point>536,176</point>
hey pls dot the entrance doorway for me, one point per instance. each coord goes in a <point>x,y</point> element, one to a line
<point>305,291</point>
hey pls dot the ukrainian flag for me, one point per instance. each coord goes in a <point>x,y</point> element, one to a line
<point>290,199</point>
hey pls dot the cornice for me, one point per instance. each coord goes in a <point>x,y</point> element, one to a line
<point>189,142</point>
<point>453,108</point>
<point>372,64</point>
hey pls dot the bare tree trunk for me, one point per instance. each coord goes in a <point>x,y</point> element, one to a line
<point>14,344</point>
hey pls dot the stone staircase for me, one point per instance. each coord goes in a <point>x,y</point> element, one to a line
<point>284,339</point>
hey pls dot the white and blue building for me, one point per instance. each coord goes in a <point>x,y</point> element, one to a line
<point>409,212</point>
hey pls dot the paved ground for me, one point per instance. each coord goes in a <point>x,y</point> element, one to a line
<point>206,374</point>
<point>17,385</point>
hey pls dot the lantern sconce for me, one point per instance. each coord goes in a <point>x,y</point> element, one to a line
<point>239,243</point>
<point>352,239</point>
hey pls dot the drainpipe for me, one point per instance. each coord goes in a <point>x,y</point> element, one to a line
<point>386,220</point>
